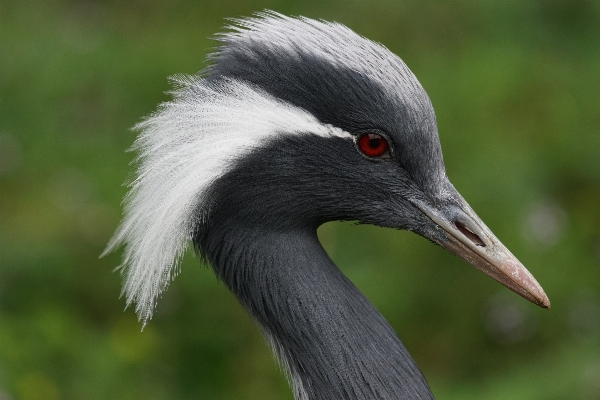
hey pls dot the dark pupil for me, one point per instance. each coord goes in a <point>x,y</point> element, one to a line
<point>374,142</point>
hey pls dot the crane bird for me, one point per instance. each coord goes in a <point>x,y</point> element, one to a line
<point>295,123</point>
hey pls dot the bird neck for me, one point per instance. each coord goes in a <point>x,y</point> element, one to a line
<point>331,340</point>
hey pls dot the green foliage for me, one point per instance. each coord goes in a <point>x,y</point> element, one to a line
<point>516,88</point>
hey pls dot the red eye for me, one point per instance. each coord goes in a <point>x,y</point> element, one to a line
<point>373,145</point>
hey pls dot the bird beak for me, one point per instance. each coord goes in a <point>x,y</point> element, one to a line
<point>469,238</point>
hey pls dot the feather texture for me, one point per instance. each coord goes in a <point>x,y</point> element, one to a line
<point>181,149</point>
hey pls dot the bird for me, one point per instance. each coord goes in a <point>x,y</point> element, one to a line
<point>296,122</point>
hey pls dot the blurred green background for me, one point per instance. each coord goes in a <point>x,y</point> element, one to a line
<point>516,88</point>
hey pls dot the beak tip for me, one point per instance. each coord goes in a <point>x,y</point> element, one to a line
<point>534,291</point>
<point>531,290</point>
<point>536,295</point>
<point>467,237</point>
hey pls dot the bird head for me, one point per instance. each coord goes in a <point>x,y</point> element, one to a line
<point>296,123</point>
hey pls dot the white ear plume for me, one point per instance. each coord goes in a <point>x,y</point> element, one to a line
<point>182,148</point>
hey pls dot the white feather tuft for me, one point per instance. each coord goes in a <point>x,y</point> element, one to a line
<point>182,148</point>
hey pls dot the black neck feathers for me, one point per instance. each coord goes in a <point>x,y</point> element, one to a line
<point>332,340</point>
<point>260,237</point>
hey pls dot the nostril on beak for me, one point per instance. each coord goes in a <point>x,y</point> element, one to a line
<point>469,234</point>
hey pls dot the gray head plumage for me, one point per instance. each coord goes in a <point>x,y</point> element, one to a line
<point>262,147</point>
<point>238,102</point>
